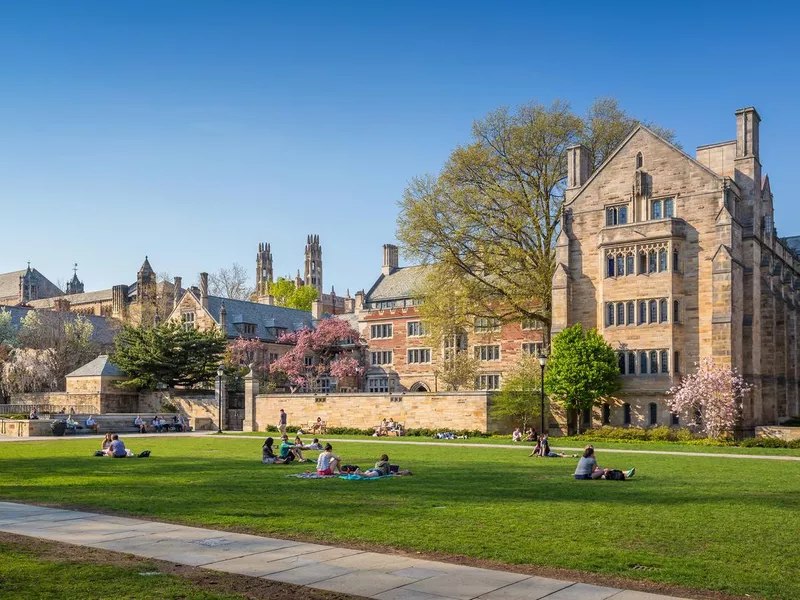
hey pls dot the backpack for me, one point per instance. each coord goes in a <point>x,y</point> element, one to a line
<point>348,468</point>
<point>615,475</point>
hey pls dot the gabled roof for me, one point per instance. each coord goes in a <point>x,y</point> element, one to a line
<point>266,317</point>
<point>401,284</point>
<point>99,367</point>
<point>9,282</point>
<point>84,298</point>
<point>636,130</point>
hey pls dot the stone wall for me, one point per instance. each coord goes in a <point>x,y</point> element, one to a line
<point>89,402</point>
<point>200,409</point>
<point>24,428</point>
<point>783,433</point>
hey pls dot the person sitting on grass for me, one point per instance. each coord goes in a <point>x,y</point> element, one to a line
<point>91,423</point>
<point>530,436</point>
<point>315,445</point>
<point>289,451</point>
<point>117,448</point>
<point>106,443</point>
<point>327,462</point>
<point>517,435</point>
<point>140,424</point>
<point>589,469</point>
<point>267,453</point>
<point>537,450</point>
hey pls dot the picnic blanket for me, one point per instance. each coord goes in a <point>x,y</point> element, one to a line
<point>310,476</point>
<point>354,477</point>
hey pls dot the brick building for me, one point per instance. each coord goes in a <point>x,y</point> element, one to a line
<point>675,258</point>
<point>399,354</point>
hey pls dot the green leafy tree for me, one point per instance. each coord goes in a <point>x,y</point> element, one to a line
<point>520,395</point>
<point>168,354</point>
<point>8,336</point>
<point>582,369</point>
<point>488,222</point>
<point>459,370</point>
<point>287,294</point>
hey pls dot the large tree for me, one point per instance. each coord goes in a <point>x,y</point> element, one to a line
<point>488,222</point>
<point>582,369</point>
<point>230,283</point>
<point>519,398</point>
<point>287,294</point>
<point>168,354</point>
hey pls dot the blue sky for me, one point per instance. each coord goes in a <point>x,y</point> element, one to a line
<point>190,131</point>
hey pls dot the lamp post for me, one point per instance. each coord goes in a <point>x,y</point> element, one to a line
<point>436,381</point>
<point>220,373</point>
<point>542,363</point>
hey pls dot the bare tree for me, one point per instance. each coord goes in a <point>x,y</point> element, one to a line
<point>230,283</point>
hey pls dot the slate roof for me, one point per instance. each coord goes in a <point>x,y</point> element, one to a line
<point>399,285</point>
<point>84,298</point>
<point>104,329</point>
<point>9,283</point>
<point>99,367</point>
<point>270,321</point>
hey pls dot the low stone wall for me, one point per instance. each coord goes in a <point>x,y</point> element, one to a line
<point>25,428</point>
<point>452,410</point>
<point>112,402</point>
<point>783,433</point>
<point>201,409</point>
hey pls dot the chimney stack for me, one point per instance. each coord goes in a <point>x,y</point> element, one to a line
<point>176,291</point>
<point>390,259</point>
<point>578,167</point>
<point>747,120</point>
<point>204,290</point>
<point>316,309</point>
<point>359,301</point>
<point>61,305</point>
<point>223,319</point>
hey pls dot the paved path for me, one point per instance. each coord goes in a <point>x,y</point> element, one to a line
<point>380,576</point>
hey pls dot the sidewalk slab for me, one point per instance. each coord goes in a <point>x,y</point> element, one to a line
<point>532,588</point>
<point>364,583</point>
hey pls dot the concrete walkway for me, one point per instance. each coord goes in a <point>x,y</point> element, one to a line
<point>381,576</point>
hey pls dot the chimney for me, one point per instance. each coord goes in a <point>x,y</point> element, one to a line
<point>223,319</point>
<point>61,305</point>
<point>359,302</point>
<point>204,290</point>
<point>578,167</point>
<point>119,301</point>
<point>747,121</point>
<point>390,259</point>
<point>176,291</point>
<point>316,309</point>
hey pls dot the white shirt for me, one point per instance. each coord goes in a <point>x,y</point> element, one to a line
<point>324,461</point>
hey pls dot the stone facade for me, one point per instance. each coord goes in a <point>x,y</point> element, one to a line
<point>674,259</point>
<point>21,287</point>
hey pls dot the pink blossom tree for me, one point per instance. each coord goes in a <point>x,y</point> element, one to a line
<point>334,345</point>
<point>711,397</point>
<point>242,353</point>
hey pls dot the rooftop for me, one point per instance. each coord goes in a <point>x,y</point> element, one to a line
<point>99,367</point>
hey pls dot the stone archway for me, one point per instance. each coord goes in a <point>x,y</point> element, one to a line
<point>420,386</point>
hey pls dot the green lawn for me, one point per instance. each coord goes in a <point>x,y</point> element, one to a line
<point>713,523</point>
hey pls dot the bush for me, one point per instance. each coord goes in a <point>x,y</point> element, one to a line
<point>761,442</point>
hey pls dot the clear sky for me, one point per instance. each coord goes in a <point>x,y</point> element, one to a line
<point>191,130</point>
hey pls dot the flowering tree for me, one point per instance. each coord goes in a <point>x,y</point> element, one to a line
<point>242,353</point>
<point>711,397</point>
<point>332,343</point>
<point>30,370</point>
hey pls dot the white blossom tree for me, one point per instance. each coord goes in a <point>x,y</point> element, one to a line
<point>711,397</point>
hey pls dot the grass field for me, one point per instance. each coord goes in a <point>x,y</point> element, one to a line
<point>705,523</point>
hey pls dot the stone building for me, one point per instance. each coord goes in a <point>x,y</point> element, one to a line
<point>312,275</point>
<point>21,287</point>
<point>401,357</point>
<point>675,258</point>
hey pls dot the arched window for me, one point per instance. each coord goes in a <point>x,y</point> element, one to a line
<point>620,313</point>
<point>610,266</point>
<point>621,357</point>
<point>609,314</point>
<point>620,265</point>
<point>611,216</point>
<point>662,260</point>
<point>606,414</point>
<point>630,270</point>
<point>631,314</point>
<point>627,414</point>
<point>662,311</point>
<point>664,362</point>
<point>642,312</point>
<point>631,363</point>
<point>642,262</point>
<point>642,363</point>
<point>653,413</point>
<point>651,261</point>
<point>639,160</point>
<point>653,362</point>
<point>653,311</point>
<point>675,311</point>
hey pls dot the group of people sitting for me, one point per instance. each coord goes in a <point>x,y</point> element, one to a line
<point>115,448</point>
<point>530,436</point>
<point>589,469</point>
<point>287,451</point>
<point>388,427</point>
<point>543,450</point>
<point>159,424</point>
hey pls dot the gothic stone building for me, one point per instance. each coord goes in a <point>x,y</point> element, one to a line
<point>674,259</point>
<point>20,287</point>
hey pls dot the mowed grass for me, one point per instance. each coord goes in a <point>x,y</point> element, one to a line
<point>712,523</point>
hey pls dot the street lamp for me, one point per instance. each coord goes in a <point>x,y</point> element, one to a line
<point>542,363</point>
<point>220,373</point>
<point>436,381</point>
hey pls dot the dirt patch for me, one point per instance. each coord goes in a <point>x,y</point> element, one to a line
<point>641,585</point>
<point>210,581</point>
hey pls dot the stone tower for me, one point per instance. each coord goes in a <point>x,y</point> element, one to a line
<point>313,266</point>
<point>74,285</point>
<point>146,294</point>
<point>263,269</point>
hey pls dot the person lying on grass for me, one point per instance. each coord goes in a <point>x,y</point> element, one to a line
<point>381,469</point>
<point>290,451</point>
<point>315,445</point>
<point>327,462</point>
<point>589,469</point>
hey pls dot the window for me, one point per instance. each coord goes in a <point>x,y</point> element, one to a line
<point>617,215</point>
<point>629,269</point>
<point>675,311</point>
<point>484,325</point>
<point>675,260</point>
<point>662,260</point>
<point>534,348</point>
<point>609,314</point>
<point>248,329</point>
<point>384,304</point>
<point>534,324</point>
<point>662,311</point>
<point>642,312</point>
<point>610,266</point>
<point>623,215</point>
<point>631,313</point>
<point>383,330</point>
<point>454,343</point>
<point>487,352</point>
<point>487,382</point>
<point>655,212</point>
<point>382,357</point>
<point>606,414</point>
<point>378,384</point>
<point>639,160</point>
<point>631,363</point>
<point>669,210</point>
<point>642,262</point>
<point>419,355</point>
<point>653,413</point>
<point>611,216</point>
<point>676,362</point>
<point>653,362</point>
<point>653,311</point>
<point>643,363</point>
<point>676,420</point>
<point>620,265</point>
<point>651,261</point>
<point>273,356</point>
<point>587,417</point>
<point>621,358</point>
<point>308,361</point>
<point>664,362</point>
<point>620,313</point>
<point>322,385</point>
<point>416,329</point>
<point>187,319</point>
<point>626,414</point>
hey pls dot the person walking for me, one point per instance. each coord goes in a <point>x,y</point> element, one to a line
<point>282,422</point>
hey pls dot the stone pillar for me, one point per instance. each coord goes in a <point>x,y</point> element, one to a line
<point>250,393</point>
<point>221,398</point>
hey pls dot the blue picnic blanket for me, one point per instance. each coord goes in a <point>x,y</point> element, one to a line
<point>354,477</point>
